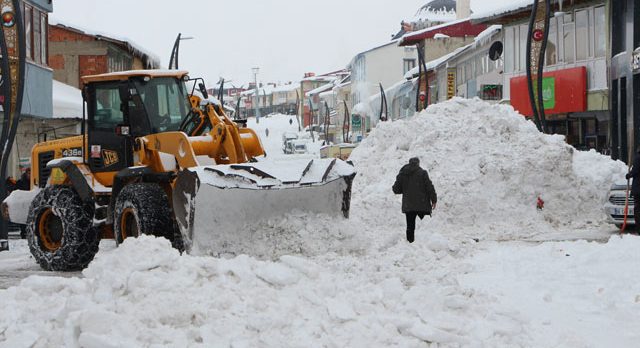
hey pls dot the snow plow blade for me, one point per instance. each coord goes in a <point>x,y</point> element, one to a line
<point>217,206</point>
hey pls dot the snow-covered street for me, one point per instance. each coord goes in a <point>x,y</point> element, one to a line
<point>487,270</point>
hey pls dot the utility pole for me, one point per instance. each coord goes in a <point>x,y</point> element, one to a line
<point>257,94</point>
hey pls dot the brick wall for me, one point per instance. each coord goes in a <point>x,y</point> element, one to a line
<point>57,34</point>
<point>92,65</point>
<point>56,61</point>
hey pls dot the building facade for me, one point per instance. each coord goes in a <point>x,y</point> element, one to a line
<point>575,80</point>
<point>74,53</point>
<point>625,78</point>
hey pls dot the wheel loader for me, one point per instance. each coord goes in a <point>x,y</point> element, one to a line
<point>155,158</point>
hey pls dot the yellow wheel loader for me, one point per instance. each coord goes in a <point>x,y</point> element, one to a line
<point>156,159</point>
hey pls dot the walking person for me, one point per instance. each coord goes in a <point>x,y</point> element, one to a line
<point>418,195</point>
<point>635,187</point>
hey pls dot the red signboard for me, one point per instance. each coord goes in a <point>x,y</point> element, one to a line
<point>563,91</point>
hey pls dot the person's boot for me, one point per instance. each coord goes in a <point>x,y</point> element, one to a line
<point>410,236</point>
<point>4,245</point>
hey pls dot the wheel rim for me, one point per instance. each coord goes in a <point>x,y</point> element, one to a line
<point>128,224</point>
<point>50,230</point>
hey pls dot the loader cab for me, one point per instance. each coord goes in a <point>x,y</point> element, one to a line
<point>143,104</point>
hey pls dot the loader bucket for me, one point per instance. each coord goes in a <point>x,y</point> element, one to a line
<point>220,206</point>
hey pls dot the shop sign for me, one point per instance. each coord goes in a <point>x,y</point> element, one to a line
<point>355,121</point>
<point>451,83</point>
<point>563,91</point>
<point>491,92</point>
<point>548,92</point>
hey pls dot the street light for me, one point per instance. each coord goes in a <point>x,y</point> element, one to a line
<point>255,80</point>
<point>176,50</point>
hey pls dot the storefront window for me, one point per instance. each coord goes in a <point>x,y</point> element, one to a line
<point>552,43</point>
<point>569,39</point>
<point>600,27</point>
<point>582,35</point>
<point>509,50</point>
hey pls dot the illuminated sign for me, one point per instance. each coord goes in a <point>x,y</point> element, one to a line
<point>451,83</point>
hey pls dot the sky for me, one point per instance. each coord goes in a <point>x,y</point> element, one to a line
<point>284,38</point>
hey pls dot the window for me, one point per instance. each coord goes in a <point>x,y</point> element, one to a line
<point>509,50</point>
<point>28,30</point>
<point>37,53</point>
<point>569,39</point>
<point>44,39</point>
<point>600,28</point>
<point>582,35</point>
<point>107,114</point>
<point>552,43</point>
<point>409,64</point>
<point>524,32</point>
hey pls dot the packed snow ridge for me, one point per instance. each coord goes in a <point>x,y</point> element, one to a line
<point>489,165</point>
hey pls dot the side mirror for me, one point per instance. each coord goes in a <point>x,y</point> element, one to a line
<point>123,130</point>
<point>203,90</point>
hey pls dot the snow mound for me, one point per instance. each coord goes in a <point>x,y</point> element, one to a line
<point>488,164</point>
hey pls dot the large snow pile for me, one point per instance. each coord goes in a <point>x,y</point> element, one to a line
<point>489,165</point>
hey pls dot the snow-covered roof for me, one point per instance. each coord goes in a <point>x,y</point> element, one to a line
<point>286,88</point>
<point>67,101</point>
<point>321,89</point>
<point>149,59</point>
<point>437,11</point>
<point>327,78</point>
<point>513,6</point>
<point>483,37</point>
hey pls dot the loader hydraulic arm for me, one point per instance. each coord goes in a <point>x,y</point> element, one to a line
<point>206,131</point>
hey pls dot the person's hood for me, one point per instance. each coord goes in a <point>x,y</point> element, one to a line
<point>409,169</point>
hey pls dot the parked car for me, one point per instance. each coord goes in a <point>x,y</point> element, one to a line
<point>614,207</point>
<point>295,147</point>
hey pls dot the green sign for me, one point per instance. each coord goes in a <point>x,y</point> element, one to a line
<point>355,121</point>
<point>548,92</point>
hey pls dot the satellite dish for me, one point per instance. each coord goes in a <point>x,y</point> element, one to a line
<point>495,51</point>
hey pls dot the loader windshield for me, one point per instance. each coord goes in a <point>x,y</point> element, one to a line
<point>165,100</point>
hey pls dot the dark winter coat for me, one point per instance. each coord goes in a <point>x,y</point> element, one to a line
<point>23,183</point>
<point>635,174</point>
<point>416,188</point>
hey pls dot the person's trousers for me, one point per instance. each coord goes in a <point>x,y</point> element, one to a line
<point>411,225</point>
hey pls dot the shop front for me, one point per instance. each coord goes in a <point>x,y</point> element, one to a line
<point>565,99</point>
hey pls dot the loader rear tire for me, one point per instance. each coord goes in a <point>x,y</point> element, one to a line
<point>142,208</point>
<point>60,230</point>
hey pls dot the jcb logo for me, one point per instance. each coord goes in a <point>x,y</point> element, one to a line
<point>110,157</point>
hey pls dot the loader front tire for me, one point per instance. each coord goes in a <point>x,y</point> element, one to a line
<point>60,230</point>
<point>142,208</point>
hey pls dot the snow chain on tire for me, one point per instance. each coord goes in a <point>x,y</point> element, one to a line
<point>60,230</point>
<point>143,208</point>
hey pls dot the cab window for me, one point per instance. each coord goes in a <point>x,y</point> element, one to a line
<point>107,113</point>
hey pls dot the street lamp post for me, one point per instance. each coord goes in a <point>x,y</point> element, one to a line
<point>257,95</point>
<point>173,61</point>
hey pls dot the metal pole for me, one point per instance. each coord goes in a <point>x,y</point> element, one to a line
<point>257,94</point>
<point>12,69</point>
